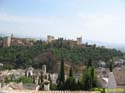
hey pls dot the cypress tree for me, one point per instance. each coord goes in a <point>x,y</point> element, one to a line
<point>110,67</point>
<point>70,72</point>
<point>79,85</point>
<point>62,73</point>
<point>40,81</point>
<point>87,82</point>
<point>90,80</point>
<point>70,83</point>
<point>89,63</point>
<point>92,73</point>
<point>61,77</point>
<point>50,81</point>
<point>93,77</point>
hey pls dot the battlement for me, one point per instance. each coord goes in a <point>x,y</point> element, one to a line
<point>78,40</point>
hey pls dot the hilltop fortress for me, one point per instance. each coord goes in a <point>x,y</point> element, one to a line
<point>77,42</point>
<point>10,41</point>
<point>15,41</point>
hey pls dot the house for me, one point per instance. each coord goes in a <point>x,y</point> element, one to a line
<point>101,63</point>
<point>1,65</point>
<point>54,78</point>
<point>115,79</point>
<point>102,72</point>
<point>111,81</point>
<point>17,73</point>
<point>3,73</point>
<point>29,71</point>
<point>118,63</point>
<point>119,74</point>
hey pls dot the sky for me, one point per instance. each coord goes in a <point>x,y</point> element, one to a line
<point>97,20</point>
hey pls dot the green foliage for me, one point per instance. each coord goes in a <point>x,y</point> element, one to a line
<point>70,72</point>
<point>87,82</point>
<point>39,53</point>
<point>70,84</point>
<point>42,53</point>
<point>25,80</point>
<point>82,55</point>
<point>53,87</point>
<point>61,77</point>
<point>89,63</point>
<point>111,67</point>
<point>22,79</point>
<point>40,82</point>
<point>89,79</point>
<point>10,78</point>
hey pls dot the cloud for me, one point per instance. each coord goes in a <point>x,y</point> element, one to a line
<point>40,26</point>
<point>105,25</point>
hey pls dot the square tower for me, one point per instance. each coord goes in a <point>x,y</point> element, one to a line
<point>79,40</point>
<point>50,38</point>
<point>7,42</point>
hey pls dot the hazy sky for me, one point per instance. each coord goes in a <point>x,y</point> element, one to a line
<point>99,20</point>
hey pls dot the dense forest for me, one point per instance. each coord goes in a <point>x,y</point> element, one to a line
<point>49,53</point>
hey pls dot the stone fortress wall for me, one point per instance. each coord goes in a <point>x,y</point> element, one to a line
<point>11,40</point>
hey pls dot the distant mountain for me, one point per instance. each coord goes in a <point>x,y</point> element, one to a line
<point>2,35</point>
<point>117,46</point>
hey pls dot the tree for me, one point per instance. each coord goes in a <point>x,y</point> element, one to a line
<point>89,79</point>
<point>86,44</point>
<point>87,83</point>
<point>50,81</point>
<point>52,86</point>
<point>70,72</point>
<point>92,73</point>
<point>93,77</point>
<point>111,67</point>
<point>79,85</point>
<point>41,82</point>
<point>23,56</point>
<point>41,77</point>
<point>61,77</point>
<point>62,73</point>
<point>70,83</point>
<point>89,63</point>
<point>24,80</point>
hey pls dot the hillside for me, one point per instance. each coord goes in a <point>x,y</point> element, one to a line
<point>118,46</point>
<point>50,54</point>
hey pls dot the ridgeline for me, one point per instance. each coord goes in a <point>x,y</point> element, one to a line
<point>50,54</point>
